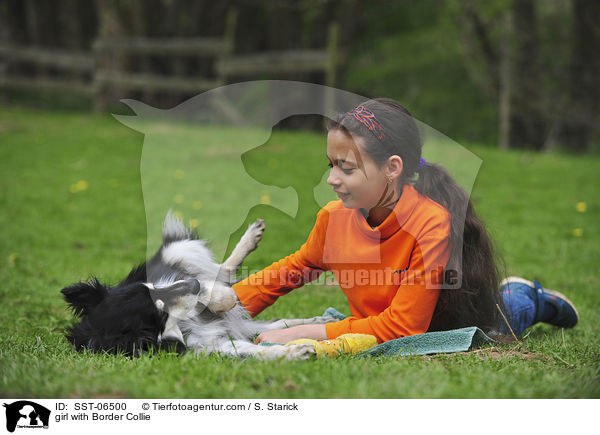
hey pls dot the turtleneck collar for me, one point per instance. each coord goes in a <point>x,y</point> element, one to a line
<point>395,220</point>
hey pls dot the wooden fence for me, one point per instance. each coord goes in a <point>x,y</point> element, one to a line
<point>93,74</point>
<point>68,61</point>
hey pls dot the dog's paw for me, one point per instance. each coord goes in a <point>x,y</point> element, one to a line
<point>217,297</point>
<point>300,351</point>
<point>222,299</point>
<point>253,235</point>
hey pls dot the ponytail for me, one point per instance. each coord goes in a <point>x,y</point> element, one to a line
<point>474,302</point>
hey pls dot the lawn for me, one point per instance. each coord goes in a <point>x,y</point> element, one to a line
<point>72,207</point>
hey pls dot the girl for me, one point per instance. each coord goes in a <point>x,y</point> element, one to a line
<point>396,241</point>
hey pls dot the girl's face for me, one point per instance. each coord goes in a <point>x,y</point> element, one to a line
<point>354,176</point>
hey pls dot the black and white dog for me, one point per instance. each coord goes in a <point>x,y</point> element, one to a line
<point>180,298</point>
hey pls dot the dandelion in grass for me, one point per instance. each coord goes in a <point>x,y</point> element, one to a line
<point>578,232</point>
<point>265,198</point>
<point>80,186</point>
<point>12,258</point>
<point>178,199</point>
<point>179,174</point>
<point>581,207</point>
<point>194,223</point>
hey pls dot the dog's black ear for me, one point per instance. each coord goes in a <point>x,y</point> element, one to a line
<point>137,274</point>
<point>84,296</point>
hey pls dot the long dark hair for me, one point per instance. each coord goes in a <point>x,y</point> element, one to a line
<point>474,302</point>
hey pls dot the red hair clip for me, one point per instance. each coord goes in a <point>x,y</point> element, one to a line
<point>367,118</point>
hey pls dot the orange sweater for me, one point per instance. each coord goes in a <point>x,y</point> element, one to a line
<point>390,273</point>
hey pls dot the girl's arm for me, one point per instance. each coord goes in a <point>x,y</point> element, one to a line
<point>316,332</point>
<point>263,288</point>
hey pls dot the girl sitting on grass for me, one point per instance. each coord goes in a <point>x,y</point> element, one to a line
<point>404,243</point>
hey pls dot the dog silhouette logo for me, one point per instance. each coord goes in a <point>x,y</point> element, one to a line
<point>26,414</point>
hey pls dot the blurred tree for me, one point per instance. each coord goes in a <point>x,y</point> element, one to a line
<point>14,20</point>
<point>582,113</point>
<point>527,129</point>
<point>70,21</point>
<point>505,83</point>
<point>515,51</point>
<point>482,43</point>
<point>40,28</point>
<point>4,40</point>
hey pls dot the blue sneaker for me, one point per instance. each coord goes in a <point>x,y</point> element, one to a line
<point>552,307</point>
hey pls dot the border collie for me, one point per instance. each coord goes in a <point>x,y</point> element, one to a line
<point>179,299</point>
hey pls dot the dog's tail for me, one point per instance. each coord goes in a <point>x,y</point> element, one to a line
<point>174,230</point>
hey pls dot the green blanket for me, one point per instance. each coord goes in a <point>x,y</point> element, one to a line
<point>454,340</point>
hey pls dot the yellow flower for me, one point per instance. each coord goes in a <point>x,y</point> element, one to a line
<point>197,205</point>
<point>265,199</point>
<point>194,223</point>
<point>177,214</point>
<point>178,198</point>
<point>78,187</point>
<point>581,207</point>
<point>578,232</point>
<point>12,258</point>
<point>179,174</point>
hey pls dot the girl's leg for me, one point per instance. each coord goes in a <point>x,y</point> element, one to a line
<point>521,309</point>
<point>528,303</point>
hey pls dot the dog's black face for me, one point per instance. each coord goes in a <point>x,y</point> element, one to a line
<point>121,319</point>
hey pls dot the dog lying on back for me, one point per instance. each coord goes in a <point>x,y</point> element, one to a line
<point>179,299</point>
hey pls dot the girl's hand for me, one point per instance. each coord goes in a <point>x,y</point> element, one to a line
<point>282,336</point>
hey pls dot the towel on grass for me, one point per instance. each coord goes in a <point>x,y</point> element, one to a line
<point>454,340</point>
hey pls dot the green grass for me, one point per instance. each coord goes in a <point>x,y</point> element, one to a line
<point>52,237</point>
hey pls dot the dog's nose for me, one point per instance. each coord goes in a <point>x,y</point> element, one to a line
<point>187,286</point>
<point>185,290</point>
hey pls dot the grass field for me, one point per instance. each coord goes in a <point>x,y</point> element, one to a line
<point>72,206</point>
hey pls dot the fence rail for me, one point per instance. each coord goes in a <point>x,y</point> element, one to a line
<point>280,61</point>
<point>44,84</point>
<point>161,46</point>
<point>92,73</point>
<point>61,59</point>
<point>154,82</point>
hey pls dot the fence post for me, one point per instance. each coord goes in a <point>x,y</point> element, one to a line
<point>332,63</point>
<point>98,102</point>
<point>220,102</point>
<point>110,26</point>
<point>229,38</point>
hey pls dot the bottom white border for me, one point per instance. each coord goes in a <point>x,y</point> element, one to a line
<point>290,416</point>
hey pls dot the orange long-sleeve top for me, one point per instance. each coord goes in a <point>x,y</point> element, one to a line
<point>391,273</point>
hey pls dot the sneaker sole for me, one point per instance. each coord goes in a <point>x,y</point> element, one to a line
<point>520,280</point>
